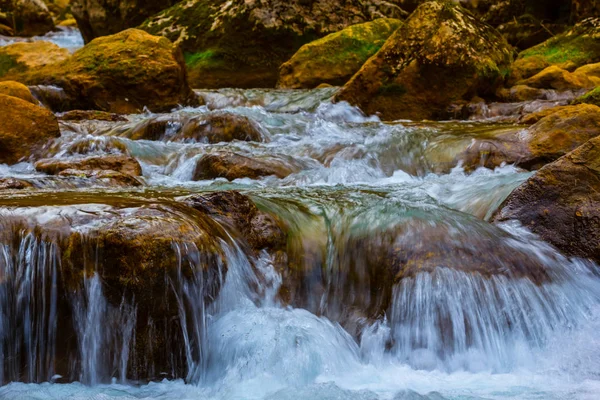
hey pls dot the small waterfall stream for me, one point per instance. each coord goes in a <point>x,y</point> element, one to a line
<point>390,283</point>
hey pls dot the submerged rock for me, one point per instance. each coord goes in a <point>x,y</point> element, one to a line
<point>118,163</point>
<point>16,89</point>
<point>97,18</point>
<point>14,183</point>
<point>442,54</point>
<point>109,177</point>
<point>561,202</point>
<point>24,129</point>
<point>81,115</point>
<point>243,43</point>
<point>233,166</point>
<point>24,56</point>
<point>122,73</point>
<point>335,58</point>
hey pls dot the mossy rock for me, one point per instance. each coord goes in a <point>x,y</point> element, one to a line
<point>27,17</point>
<point>24,129</point>
<point>441,55</point>
<point>24,56</point>
<point>243,44</point>
<point>591,97</point>
<point>122,73</point>
<point>561,202</point>
<point>335,58</point>
<point>16,89</point>
<point>576,47</point>
<point>559,79</point>
<point>106,17</point>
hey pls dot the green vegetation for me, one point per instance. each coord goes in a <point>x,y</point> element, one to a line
<point>591,97</point>
<point>7,63</point>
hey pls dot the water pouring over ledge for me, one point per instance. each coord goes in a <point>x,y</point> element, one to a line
<point>389,283</point>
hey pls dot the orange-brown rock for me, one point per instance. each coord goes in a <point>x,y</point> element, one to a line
<point>557,78</point>
<point>561,202</point>
<point>16,89</point>
<point>232,166</point>
<point>24,129</point>
<point>122,73</point>
<point>118,163</point>
<point>25,56</point>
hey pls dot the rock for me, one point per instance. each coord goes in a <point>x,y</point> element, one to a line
<point>561,202</point>
<point>6,30</point>
<point>24,129</point>
<point>234,166</point>
<point>242,43</point>
<point>335,58</point>
<point>589,71</point>
<point>97,18</point>
<point>582,9</point>
<point>122,73</point>
<point>118,163</point>
<point>16,89</point>
<point>442,54</point>
<point>215,127</point>
<point>557,78</point>
<point>591,97</point>
<point>574,48</point>
<point>520,93</point>
<point>218,127</point>
<point>561,132</point>
<point>237,211</point>
<point>533,118</point>
<point>81,115</point>
<point>99,144</point>
<point>109,177</point>
<point>14,183</point>
<point>24,56</point>
<point>28,17</point>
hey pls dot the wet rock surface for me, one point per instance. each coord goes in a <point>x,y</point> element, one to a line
<point>233,166</point>
<point>117,163</point>
<point>560,202</point>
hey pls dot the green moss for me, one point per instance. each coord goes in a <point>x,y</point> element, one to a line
<point>8,63</point>
<point>591,97</point>
<point>392,89</point>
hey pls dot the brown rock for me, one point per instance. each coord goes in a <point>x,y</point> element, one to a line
<point>25,56</point>
<point>219,127</point>
<point>117,163</point>
<point>81,115</point>
<point>122,73</point>
<point>520,93</point>
<point>557,78</point>
<point>110,177</point>
<point>14,183</point>
<point>28,17</point>
<point>561,202</point>
<point>441,55</point>
<point>24,129</point>
<point>16,89</point>
<point>234,166</point>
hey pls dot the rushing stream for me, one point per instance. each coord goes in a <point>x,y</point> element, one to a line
<point>336,326</point>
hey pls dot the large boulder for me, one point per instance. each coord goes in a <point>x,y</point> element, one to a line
<point>559,79</point>
<point>231,166</point>
<point>561,202</point>
<point>335,58</point>
<point>24,129</point>
<point>27,17</point>
<point>442,54</point>
<point>97,18</point>
<point>576,47</point>
<point>122,73</point>
<point>242,43</point>
<point>25,56</point>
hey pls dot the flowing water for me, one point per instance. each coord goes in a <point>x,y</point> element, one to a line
<point>362,196</point>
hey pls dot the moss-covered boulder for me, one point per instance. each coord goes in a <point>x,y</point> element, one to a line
<point>520,93</point>
<point>576,47</point>
<point>590,72</point>
<point>24,56</point>
<point>27,17</point>
<point>16,89</point>
<point>582,9</point>
<point>557,78</point>
<point>561,202</point>
<point>591,97</point>
<point>122,73</point>
<point>442,54</point>
<point>335,58</point>
<point>24,129</point>
<point>243,43</point>
<point>97,18</point>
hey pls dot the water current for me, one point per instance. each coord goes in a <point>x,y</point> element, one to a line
<point>337,326</point>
